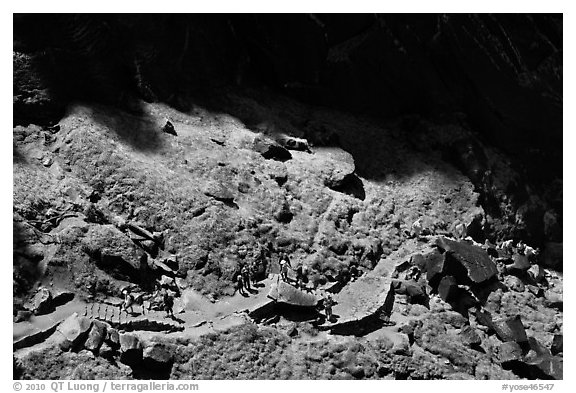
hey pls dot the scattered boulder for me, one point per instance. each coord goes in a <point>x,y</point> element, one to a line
<point>168,128</point>
<point>509,351</point>
<point>283,214</point>
<point>293,143</point>
<point>357,372</point>
<point>514,283</point>
<point>535,290</point>
<point>47,161</point>
<point>96,336</point>
<point>74,330</point>
<point>415,292</point>
<point>510,329</point>
<point>470,336</point>
<point>350,184</point>
<point>218,191</point>
<point>271,150</point>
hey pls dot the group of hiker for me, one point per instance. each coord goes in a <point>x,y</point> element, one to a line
<point>161,299</point>
<point>251,271</point>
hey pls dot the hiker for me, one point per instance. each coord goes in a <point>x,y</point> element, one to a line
<point>354,271</point>
<point>240,284</point>
<point>531,253</point>
<point>416,228</point>
<point>168,302</point>
<point>284,257</point>
<point>413,273</point>
<point>259,265</point>
<point>328,303</point>
<point>459,230</point>
<point>284,270</point>
<point>128,302</point>
<point>301,276</point>
<point>520,247</point>
<point>245,272</point>
<point>506,246</point>
<point>154,298</point>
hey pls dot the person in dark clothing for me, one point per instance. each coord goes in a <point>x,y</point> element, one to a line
<point>245,272</point>
<point>301,276</point>
<point>388,306</point>
<point>168,302</point>
<point>328,304</point>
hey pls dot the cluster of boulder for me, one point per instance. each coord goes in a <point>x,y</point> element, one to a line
<point>464,274</point>
<point>78,333</point>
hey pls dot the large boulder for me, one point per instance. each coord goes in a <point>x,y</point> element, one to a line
<point>510,329</point>
<point>270,149</point>
<point>338,171</point>
<point>476,262</point>
<point>130,349</point>
<point>112,250</point>
<point>112,338</point>
<point>540,357</point>
<point>74,331</point>
<point>219,191</point>
<point>96,336</point>
<point>557,344</point>
<point>157,356</point>
<point>42,302</point>
<point>286,293</point>
<point>470,336</point>
<point>509,351</point>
